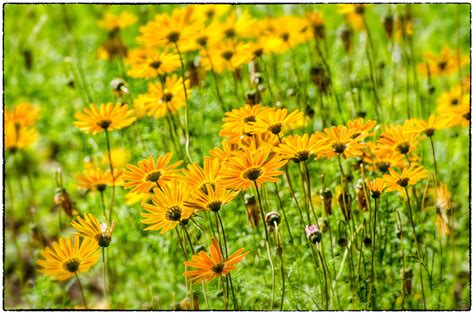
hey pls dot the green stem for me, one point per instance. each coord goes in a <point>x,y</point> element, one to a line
<point>410,215</point>
<point>104,261</point>
<point>82,292</point>
<point>227,256</point>
<point>267,242</point>
<point>400,225</point>
<point>112,202</point>
<point>186,115</point>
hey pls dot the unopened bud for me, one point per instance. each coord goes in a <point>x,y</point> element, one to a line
<point>345,201</point>
<point>271,218</point>
<point>313,233</point>
<point>326,196</point>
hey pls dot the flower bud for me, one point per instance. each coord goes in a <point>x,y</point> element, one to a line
<point>407,277</point>
<point>326,196</point>
<point>345,201</point>
<point>342,242</point>
<point>313,234</point>
<point>388,23</point>
<point>320,78</point>
<point>367,242</point>
<point>271,218</point>
<point>323,223</point>
<point>361,199</point>
<point>119,87</point>
<point>346,37</point>
<point>252,210</point>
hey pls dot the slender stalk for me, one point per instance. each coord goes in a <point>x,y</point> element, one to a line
<point>227,256</point>
<point>308,181</point>
<point>104,261</point>
<point>279,249</point>
<point>82,292</point>
<point>400,225</point>
<point>283,211</point>
<point>112,202</point>
<point>410,215</point>
<point>326,288</point>
<point>372,271</point>
<point>192,251</point>
<point>267,242</point>
<point>102,202</point>
<point>434,161</point>
<point>186,114</point>
<point>205,295</point>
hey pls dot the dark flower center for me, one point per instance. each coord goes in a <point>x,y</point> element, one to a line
<point>375,194</point>
<point>72,265</point>
<point>383,166</point>
<point>155,64</point>
<point>359,9</point>
<point>215,206</point>
<point>104,240</point>
<point>442,65</point>
<point>403,182</point>
<point>467,116</point>
<point>173,37</point>
<point>454,101</point>
<point>229,33</point>
<point>249,119</point>
<point>104,124</point>
<point>430,132</point>
<point>153,176</point>
<point>275,129</point>
<point>202,41</point>
<point>173,213</point>
<point>219,268</point>
<point>403,148</point>
<point>100,187</point>
<point>167,97</point>
<point>252,174</point>
<point>258,52</point>
<point>227,55</point>
<point>339,148</point>
<point>301,156</point>
<point>285,36</point>
<point>210,13</point>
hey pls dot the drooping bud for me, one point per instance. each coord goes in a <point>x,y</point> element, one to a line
<point>361,199</point>
<point>342,242</point>
<point>345,201</point>
<point>119,87</point>
<point>326,196</point>
<point>407,277</point>
<point>252,209</point>
<point>388,23</point>
<point>346,37</point>
<point>271,218</point>
<point>323,223</point>
<point>320,78</point>
<point>64,201</point>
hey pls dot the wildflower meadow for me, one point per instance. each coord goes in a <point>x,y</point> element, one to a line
<point>237,157</point>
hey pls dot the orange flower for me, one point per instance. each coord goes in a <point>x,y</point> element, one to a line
<point>149,174</point>
<point>340,141</point>
<point>409,176</point>
<point>242,120</point>
<point>375,186</point>
<point>106,117</point>
<point>212,266</point>
<point>242,170</point>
